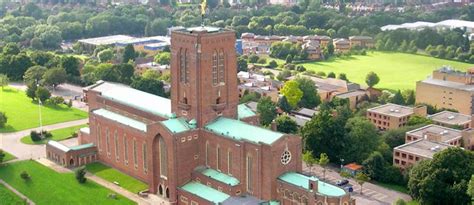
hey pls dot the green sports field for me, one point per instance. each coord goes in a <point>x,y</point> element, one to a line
<point>8,197</point>
<point>23,114</point>
<point>395,70</point>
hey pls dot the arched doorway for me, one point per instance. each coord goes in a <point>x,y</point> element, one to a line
<point>160,190</point>
<point>167,193</point>
<point>71,162</point>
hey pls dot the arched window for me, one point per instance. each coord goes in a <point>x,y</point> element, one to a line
<point>218,157</point>
<point>207,153</point>
<point>221,67</point>
<point>160,190</point>
<point>135,158</point>
<point>249,173</point>
<point>98,138</point>
<point>107,141</point>
<point>163,158</point>
<point>125,149</point>
<point>229,162</point>
<point>116,143</point>
<point>145,161</point>
<point>215,77</point>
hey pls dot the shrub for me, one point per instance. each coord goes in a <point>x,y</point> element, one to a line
<point>80,175</point>
<point>24,175</point>
<point>262,61</point>
<point>300,68</point>
<point>290,66</point>
<point>56,100</point>
<point>69,103</point>
<point>321,74</point>
<point>42,94</point>
<point>35,136</point>
<point>273,64</point>
<point>253,58</point>
<point>3,119</point>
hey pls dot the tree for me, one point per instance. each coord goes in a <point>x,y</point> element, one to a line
<point>310,98</point>
<point>374,166</point>
<point>42,94</point>
<point>242,64</point>
<point>400,202</point>
<point>149,85</point>
<point>409,95</point>
<point>323,162</point>
<point>163,58</point>
<point>11,49</point>
<point>71,65</point>
<point>286,125</point>
<point>272,64</point>
<point>24,175</point>
<point>331,75</point>
<point>444,179</point>
<point>4,80</point>
<point>34,74</point>
<point>253,58</point>
<point>3,119</point>
<point>289,59</point>
<point>2,156</point>
<point>418,120</point>
<point>343,76</point>
<point>470,187</point>
<point>125,72</point>
<point>80,174</point>
<point>31,90</point>
<point>398,98</point>
<point>283,75</point>
<point>361,140</point>
<point>105,55</point>
<point>151,74</point>
<point>309,159</point>
<point>54,77</point>
<point>56,100</point>
<point>284,105</point>
<point>361,178</point>
<point>292,92</point>
<point>372,79</point>
<point>129,54</point>
<point>267,110</point>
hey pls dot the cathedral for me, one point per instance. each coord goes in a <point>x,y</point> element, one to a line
<point>201,146</point>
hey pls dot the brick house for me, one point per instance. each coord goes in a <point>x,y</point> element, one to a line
<point>200,147</point>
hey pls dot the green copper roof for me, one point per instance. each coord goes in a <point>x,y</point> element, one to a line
<point>219,176</point>
<point>239,130</point>
<point>205,192</point>
<point>303,181</point>
<point>176,125</point>
<point>121,119</point>
<point>83,146</point>
<point>243,111</point>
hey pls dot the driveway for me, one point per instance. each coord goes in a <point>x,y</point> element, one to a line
<point>10,142</point>
<point>372,194</point>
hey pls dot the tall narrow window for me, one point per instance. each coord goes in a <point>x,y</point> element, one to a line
<point>135,160</point>
<point>98,138</point>
<point>207,153</point>
<point>218,157</point>
<point>215,75</point>
<point>144,152</point>
<point>125,149</point>
<point>163,158</point>
<point>186,66</point>
<point>107,141</point>
<point>221,67</point>
<point>249,173</point>
<point>182,65</point>
<point>116,146</point>
<point>229,162</point>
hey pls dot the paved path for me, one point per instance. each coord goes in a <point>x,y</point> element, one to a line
<point>11,143</point>
<point>17,192</point>
<point>371,194</point>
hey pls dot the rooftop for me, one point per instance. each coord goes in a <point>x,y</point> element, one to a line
<point>219,176</point>
<point>449,84</point>
<point>244,111</point>
<point>302,181</point>
<point>351,94</point>
<point>205,192</point>
<point>446,134</point>
<point>239,130</point>
<point>86,130</point>
<point>353,166</point>
<point>82,146</point>
<point>392,110</point>
<point>423,147</point>
<point>106,40</point>
<point>121,119</point>
<point>65,148</point>
<point>450,118</point>
<point>134,98</point>
<point>306,112</point>
<point>176,125</point>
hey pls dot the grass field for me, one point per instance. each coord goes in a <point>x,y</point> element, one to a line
<point>112,175</point>
<point>23,114</point>
<point>8,157</point>
<point>47,187</point>
<point>58,135</point>
<point>8,197</point>
<point>395,70</point>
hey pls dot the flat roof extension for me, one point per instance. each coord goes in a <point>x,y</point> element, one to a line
<point>450,118</point>
<point>392,110</point>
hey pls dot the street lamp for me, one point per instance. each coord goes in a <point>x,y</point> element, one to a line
<point>39,108</point>
<point>342,163</point>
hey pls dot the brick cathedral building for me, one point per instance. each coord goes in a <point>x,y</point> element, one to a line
<point>200,147</point>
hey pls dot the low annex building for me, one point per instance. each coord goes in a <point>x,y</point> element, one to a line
<point>391,116</point>
<point>452,119</point>
<point>200,147</point>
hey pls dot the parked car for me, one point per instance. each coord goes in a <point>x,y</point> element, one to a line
<point>349,188</point>
<point>342,182</point>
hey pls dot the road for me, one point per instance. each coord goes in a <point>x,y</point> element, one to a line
<point>372,194</point>
<point>11,143</point>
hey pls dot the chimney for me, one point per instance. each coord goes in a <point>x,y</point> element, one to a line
<point>313,185</point>
<point>273,126</point>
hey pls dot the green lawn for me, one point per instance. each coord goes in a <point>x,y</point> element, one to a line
<point>23,114</point>
<point>396,70</point>
<point>58,135</point>
<point>47,187</point>
<point>394,187</point>
<point>112,175</point>
<point>8,156</point>
<point>8,197</point>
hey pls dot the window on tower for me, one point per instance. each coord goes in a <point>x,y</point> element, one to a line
<point>183,66</point>
<point>221,67</point>
<point>214,68</point>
